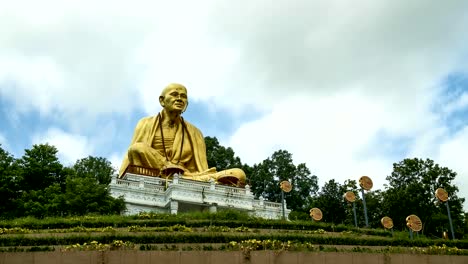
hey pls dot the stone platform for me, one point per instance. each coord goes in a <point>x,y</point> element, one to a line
<point>153,194</point>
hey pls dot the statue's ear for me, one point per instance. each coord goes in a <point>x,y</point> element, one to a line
<point>161,100</point>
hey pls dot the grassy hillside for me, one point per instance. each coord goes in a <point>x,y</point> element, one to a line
<point>225,230</point>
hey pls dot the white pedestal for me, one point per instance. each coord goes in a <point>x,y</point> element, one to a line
<point>153,194</point>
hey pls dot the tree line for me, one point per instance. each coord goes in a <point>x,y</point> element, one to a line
<point>410,190</point>
<point>38,185</point>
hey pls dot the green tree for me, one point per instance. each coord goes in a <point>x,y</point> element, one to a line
<point>42,203</point>
<point>268,174</point>
<point>466,225</point>
<point>410,190</point>
<point>374,200</point>
<point>305,187</point>
<point>373,203</point>
<point>266,177</point>
<point>330,202</point>
<point>351,185</point>
<point>98,168</point>
<point>220,157</point>
<point>87,188</point>
<point>41,182</point>
<point>41,168</point>
<point>9,187</point>
<point>53,190</point>
<point>84,195</point>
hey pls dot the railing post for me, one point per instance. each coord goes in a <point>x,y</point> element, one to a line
<point>174,206</point>
<point>212,184</point>
<point>175,179</point>
<point>247,190</point>
<point>213,208</point>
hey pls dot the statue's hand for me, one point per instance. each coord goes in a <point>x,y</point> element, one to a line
<point>169,169</point>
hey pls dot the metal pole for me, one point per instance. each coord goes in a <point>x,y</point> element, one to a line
<point>411,233</point>
<point>365,207</point>
<point>282,204</point>
<point>450,219</point>
<point>354,212</point>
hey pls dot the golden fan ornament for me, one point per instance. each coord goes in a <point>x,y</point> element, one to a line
<point>441,194</point>
<point>350,196</point>
<point>414,223</point>
<point>285,186</point>
<point>366,183</point>
<point>316,214</point>
<point>387,222</point>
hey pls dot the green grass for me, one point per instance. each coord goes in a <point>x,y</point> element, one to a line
<point>153,230</point>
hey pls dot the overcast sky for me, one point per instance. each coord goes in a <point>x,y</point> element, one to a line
<point>348,87</point>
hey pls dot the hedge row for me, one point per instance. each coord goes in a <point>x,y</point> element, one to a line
<point>156,238</point>
<point>57,223</point>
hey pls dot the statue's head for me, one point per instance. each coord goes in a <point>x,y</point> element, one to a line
<point>174,98</point>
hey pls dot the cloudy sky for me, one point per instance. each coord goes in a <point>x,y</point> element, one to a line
<point>348,87</point>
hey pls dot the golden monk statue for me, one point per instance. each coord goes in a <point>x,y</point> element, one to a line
<point>167,144</point>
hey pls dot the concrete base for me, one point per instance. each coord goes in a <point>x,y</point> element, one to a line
<point>225,257</point>
<point>153,194</point>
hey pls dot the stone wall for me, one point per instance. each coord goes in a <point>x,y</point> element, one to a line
<point>224,257</point>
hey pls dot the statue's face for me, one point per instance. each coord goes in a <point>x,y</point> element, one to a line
<point>175,99</point>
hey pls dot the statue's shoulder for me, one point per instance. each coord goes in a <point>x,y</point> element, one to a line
<point>193,128</point>
<point>146,120</point>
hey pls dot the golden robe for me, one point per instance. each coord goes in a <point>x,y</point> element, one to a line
<point>193,155</point>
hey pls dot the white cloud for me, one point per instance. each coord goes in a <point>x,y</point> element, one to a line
<point>116,160</point>
<point>326,133</point>
<point>71,147</point>
<point>459,103</point>
<point>89,56</point>
<point>358,70</point>
<point>329,75</point>
<point>326,47</point>
<point>448,151</point>
<point>72,57</point>
<point>453,154</point>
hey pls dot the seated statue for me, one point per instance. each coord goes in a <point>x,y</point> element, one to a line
<point>167,144</point>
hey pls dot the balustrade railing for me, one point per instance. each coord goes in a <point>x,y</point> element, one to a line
<point>148,187</point>
<point>272,204</point>
<point>127,183</point>
<point>154,186</point>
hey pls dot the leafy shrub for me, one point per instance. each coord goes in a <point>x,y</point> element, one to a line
<point>15,230</point>
<point>135,228</point>
<point>242,229</point>
<point>317,231</point>
<point>217,229</point>
<point>180,228</point>
<point>94,245</point>
<point>439,250</point>
<point>108,229</point>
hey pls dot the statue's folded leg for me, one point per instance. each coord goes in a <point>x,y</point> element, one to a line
<point>140,154</point>
<point>233,177</point>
